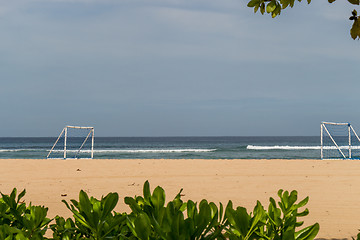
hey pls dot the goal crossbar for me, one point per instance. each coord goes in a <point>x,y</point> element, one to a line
<point>334,123</point>
<point>79,127</point>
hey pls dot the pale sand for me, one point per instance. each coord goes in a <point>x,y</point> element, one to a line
<point>333,186</point>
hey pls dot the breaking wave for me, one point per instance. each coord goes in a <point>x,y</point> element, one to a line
<point>142,150</point>
<point>278,147</point>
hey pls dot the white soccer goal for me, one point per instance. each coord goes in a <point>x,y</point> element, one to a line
<point>73,142</point>
<point>339,141</point>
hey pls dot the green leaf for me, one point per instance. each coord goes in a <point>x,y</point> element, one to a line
<point>274,214</point>
<point>80,218</point>
<point>158,198</point>
<point>221,212</point>
<point>142,226</point>
<point>84,202</point>
<point>110,202</point>
<point>304,213</point>
<point>241,220</point>
<point>116,221</point>
<point>259,213</point>
<point>308,233</point>
<point>284,3</point>
<point>178,203</point>
<point>354,2</point>
<point>262,8</point>
<point>355,30</point>
<point>191,209</point>
<point>21,195</point>
<point>66,204</point>
<point>303,202</point>
<point>292,2</point>
<point>131,202</point>
<point>20,236</point>
<point>213,208</point>
<point>277,11</point>
<point>203,219</point>
<point>146,191</point>
<point>13,193</point>
<point>289,233</point>
<point>280,192</point>
<point>271,7</point>
<point>68,223</point>
<point>292,198</point>
<point>253,3</point>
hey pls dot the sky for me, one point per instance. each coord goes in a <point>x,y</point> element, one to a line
<point>175,68</point>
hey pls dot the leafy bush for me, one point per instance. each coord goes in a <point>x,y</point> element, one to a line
<point>20,222</point>
<point>93,218</point>
<point>241,225</point>
<point>151,218</point>
<point>275,224</point>
<point>283,222</point>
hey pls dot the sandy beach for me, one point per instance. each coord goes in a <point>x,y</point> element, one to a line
<point>333,186</point>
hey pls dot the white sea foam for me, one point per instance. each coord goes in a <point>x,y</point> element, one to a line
<point>153,150</point>
<point>286,147</point>
<point>21,150</point>
<point>114,150</point>
<point>142,150</point>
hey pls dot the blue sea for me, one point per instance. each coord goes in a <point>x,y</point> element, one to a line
<point>175,147</point>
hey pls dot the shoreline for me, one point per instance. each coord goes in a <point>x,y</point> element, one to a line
<point>332,185</point>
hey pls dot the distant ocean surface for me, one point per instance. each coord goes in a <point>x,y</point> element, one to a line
<point>175,147</point>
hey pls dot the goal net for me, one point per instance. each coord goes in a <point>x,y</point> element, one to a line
<point>73,142</point>
<point>339,141</point>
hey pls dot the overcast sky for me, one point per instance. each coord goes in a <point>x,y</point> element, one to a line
<point>175,68</point>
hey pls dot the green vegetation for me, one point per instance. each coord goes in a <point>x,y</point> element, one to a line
<point>151,218</point>
<point>20,222</point>
<point>274,7</point>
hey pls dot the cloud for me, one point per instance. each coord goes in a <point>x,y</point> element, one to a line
<point>137,57</point>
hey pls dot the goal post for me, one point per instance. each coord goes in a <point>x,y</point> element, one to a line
<point>74,142</point>
<point>339,141</point>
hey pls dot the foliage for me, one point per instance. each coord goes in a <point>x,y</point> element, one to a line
<point>151,218</point>
<point>65,229</point>
<point>20,222</point>
<point>277,223</point>
<point>283,219</point>
<point>274,7</point>
<point>244,226</point>
<point>94,218</point>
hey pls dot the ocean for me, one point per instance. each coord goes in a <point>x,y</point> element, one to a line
<point>174,147</point>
